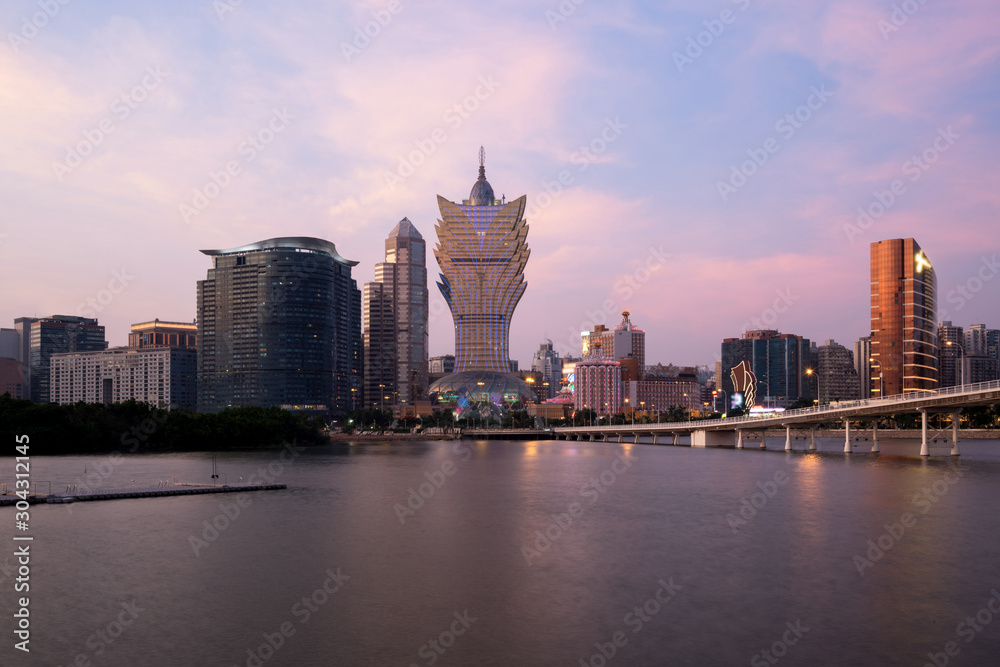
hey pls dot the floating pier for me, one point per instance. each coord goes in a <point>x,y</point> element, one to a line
<point>177,489</point>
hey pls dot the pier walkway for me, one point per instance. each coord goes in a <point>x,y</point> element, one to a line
<point>176,489</point>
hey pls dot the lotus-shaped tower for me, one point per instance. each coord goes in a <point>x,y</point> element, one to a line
<point>482,251</point>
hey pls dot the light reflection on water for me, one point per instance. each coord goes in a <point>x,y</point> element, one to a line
<point>665,517</point>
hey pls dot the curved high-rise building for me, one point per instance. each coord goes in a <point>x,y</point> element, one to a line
<point>482,251</point>
<point>279,324</point>
<point>904,345</point>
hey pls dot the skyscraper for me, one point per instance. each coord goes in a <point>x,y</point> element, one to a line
<point>279,324</point>
<point>482,251</point>
<point>51,335</point>
<point>903,308</point>
<point>395,321</point>
<point>778,361</point>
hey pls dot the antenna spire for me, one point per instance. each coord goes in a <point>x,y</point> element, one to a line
<point>482,163</point>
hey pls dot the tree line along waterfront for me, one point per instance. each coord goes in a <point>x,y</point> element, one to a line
<point>132,426</point>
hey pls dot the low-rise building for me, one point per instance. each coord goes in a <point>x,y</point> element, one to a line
<point>164,377</point>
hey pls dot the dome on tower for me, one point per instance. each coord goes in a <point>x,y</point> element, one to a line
<point>482,191</point>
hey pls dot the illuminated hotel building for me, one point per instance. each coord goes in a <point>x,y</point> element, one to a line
<point>627,344</point>
<point>482,251</point>
<point>598,383</point>
<point>903,308</point>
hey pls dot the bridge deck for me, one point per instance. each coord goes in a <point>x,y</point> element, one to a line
<point>945,400</point>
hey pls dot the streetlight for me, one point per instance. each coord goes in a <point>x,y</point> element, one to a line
<point>767,395</point>
<point>687,406</point>
<point>478,411</point>
<point>961,368</point>
<point>642,404</point>
<point>810,372</point>
<point>725,401</point>
<point>873,360</point>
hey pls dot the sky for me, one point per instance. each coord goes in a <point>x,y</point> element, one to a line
<point>711,166</point>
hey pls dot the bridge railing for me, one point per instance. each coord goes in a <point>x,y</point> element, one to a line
<point>900,399</point>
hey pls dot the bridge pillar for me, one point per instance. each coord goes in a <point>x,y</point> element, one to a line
<point>847,436</point>
<point>924,449</point>
<point>763,439</point>
<point>656,438</point>
<point>620,437</point>
<point>875,436</point>
<point>955,417</point>
<point>592,437</point>
<point>677,438</point>
<point>788,438</point>
<point>812,438</point>
<point>739,439</point>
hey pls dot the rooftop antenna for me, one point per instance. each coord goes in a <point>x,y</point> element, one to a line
<point>482,163</point>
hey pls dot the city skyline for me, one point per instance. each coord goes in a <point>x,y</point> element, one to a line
<point>821,110</point>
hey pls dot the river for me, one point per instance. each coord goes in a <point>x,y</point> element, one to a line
<point>517,553</point>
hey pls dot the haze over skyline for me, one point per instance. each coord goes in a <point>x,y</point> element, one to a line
<point>293,122</point>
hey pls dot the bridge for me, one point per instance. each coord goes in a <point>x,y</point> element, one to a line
<point>731,431</point>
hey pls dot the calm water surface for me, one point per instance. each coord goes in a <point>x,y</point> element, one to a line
<point>519,553</point>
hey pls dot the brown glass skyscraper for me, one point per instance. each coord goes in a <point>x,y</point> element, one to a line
<point>903,309</point>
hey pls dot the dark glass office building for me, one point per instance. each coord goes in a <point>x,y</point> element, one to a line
<point>279,324</point>
<point>50,335</point>
<point>779,361</point>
